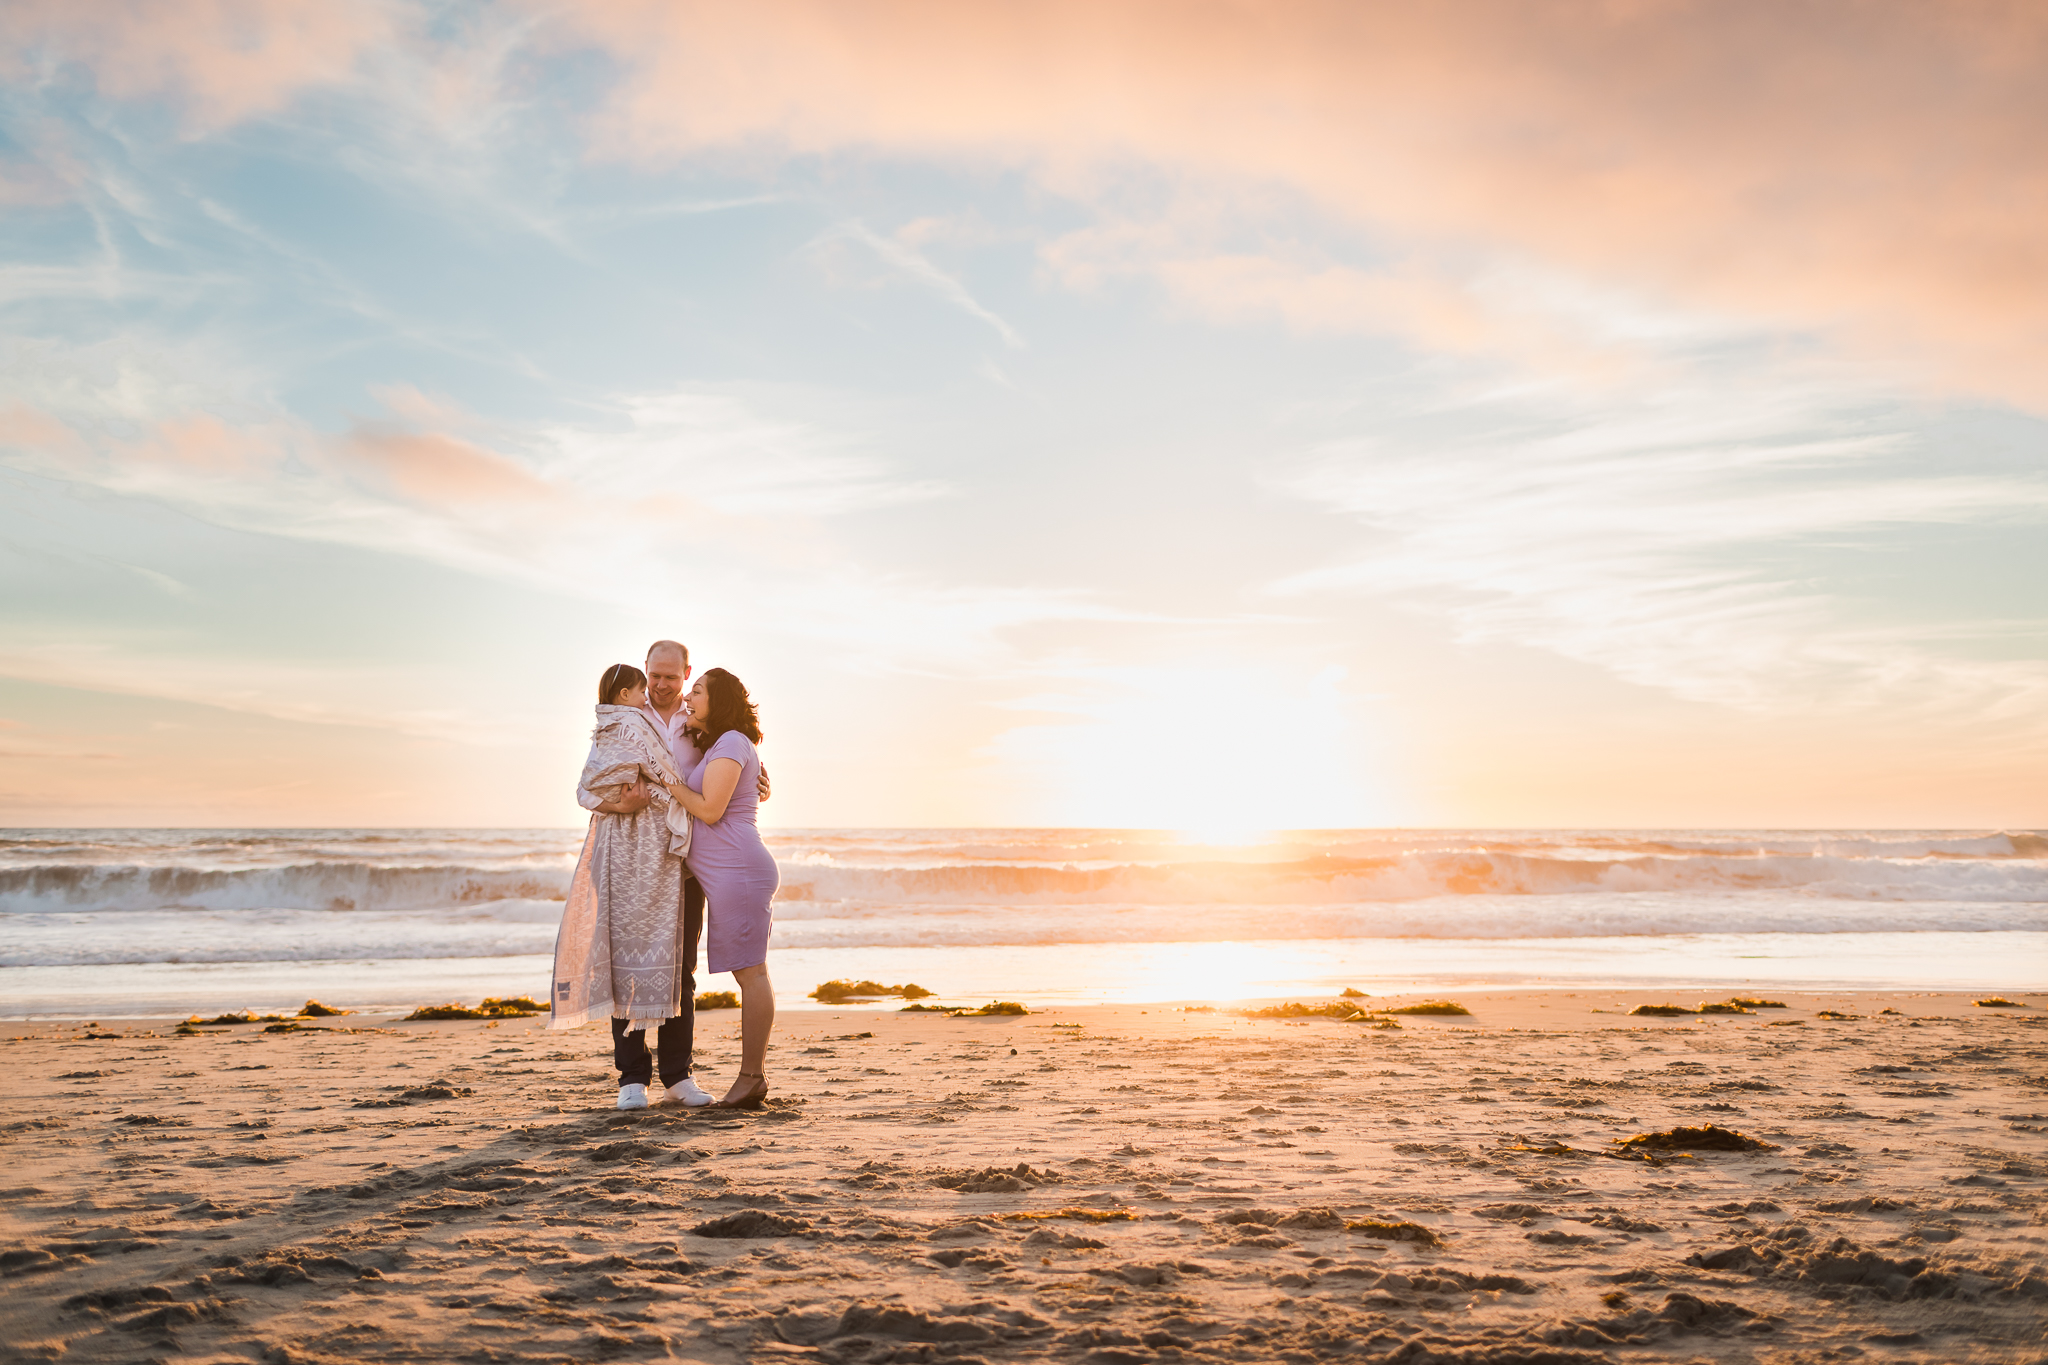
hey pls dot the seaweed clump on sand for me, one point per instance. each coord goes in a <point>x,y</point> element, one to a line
<point>238,1017</point>
<point>1294,1009</point>
<point>845,992</point>
<point>451,1010</point>
<point>1723,1007</point>
<point>1661,1011</point>
<point>716,1000</point>
<point>1753,1003</point>
<point>1998,1002</point>
<point>1552,1147</point>
<point>1352,993</point>
<point>490,1007</point>
<point>1392,1230</point>
<point>313,1009</point>
<point>1076,1213</point>
<point>1706,1137</point>
<point>959,1012</point>
<point>1430,1007</point>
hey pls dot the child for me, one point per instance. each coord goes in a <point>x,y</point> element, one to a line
<point>626,748</point>
<point>619,952</point>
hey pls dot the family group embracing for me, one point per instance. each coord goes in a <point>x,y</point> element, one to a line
<point>673,784</point>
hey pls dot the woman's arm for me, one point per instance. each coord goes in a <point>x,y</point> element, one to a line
<point>721,780</point>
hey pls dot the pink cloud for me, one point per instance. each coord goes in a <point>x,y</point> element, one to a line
<point>197,443</point>
<point>409,404</point>
<point>1872,169</point>
<point>444,470</point>
<point>203,444</point>
<point>26,428</point>
<point>220,60</point>
<point>1438,310</point>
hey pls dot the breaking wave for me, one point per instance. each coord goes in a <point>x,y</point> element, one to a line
<point>1042,869</point>
<point>83,898</point>
<point>311,886</point>
<point>1419,876</point>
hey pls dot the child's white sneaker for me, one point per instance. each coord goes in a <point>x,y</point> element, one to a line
<point>687,1091</point>
<point>632,1097</point>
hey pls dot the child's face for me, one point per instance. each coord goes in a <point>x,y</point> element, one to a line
<point>633,696</point>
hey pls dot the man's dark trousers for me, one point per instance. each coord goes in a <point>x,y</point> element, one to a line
<point>675,1038</point>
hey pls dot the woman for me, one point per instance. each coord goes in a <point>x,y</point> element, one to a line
<point>620,951</point>
<point>728,858</point>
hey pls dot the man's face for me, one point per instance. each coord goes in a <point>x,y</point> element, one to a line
<point>666,674</point>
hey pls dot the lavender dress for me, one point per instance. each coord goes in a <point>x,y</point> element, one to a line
<point>732,864</point>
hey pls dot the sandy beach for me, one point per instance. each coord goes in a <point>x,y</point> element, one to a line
<point>1112,1185</point>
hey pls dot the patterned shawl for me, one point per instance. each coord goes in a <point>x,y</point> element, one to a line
<point>619,950</point>
<point>626,748</point>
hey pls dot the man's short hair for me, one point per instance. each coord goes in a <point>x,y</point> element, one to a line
<point>670,644</point>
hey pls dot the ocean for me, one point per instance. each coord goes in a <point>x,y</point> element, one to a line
<point>138,922</point>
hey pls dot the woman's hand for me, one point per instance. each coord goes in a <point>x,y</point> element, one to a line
<point>721,780</point>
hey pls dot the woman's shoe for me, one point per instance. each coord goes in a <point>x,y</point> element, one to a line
<point>632,1097</point>
<point>753,1097</point>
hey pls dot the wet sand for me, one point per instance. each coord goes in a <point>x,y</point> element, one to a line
<point>1112,1185</point>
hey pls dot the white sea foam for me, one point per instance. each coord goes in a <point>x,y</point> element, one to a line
<point>1420,875</point>
<point>303,886</point>
<point>105,897</point>
<point>108,937</point>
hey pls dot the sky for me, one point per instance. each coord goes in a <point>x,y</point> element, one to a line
<point>1206,416</point>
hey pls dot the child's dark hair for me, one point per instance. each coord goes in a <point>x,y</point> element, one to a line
<point>618,678</point>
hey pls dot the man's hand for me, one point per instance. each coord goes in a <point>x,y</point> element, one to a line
<point>631,801</point>
<point>761,784</point>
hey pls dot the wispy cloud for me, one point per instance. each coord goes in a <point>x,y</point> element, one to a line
<point>382,698</point>
<point>1888,206</point>
<point>218,62</point>
<point>689,494</point>
<point>910,263</point>
<point>716,449</point>
<point>1670,538</point>
<point>1225,265</point>
<point>1877,178</point>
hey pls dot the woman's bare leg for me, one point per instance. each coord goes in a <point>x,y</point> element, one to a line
<point>757,1018</point>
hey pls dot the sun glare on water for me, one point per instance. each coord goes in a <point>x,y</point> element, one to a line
<point>1207,972</point>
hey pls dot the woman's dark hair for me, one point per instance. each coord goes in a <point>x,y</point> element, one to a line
<point>731,709</point>
<point>618,678</point>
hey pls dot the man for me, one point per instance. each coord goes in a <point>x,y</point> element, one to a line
<point>668,668</point>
